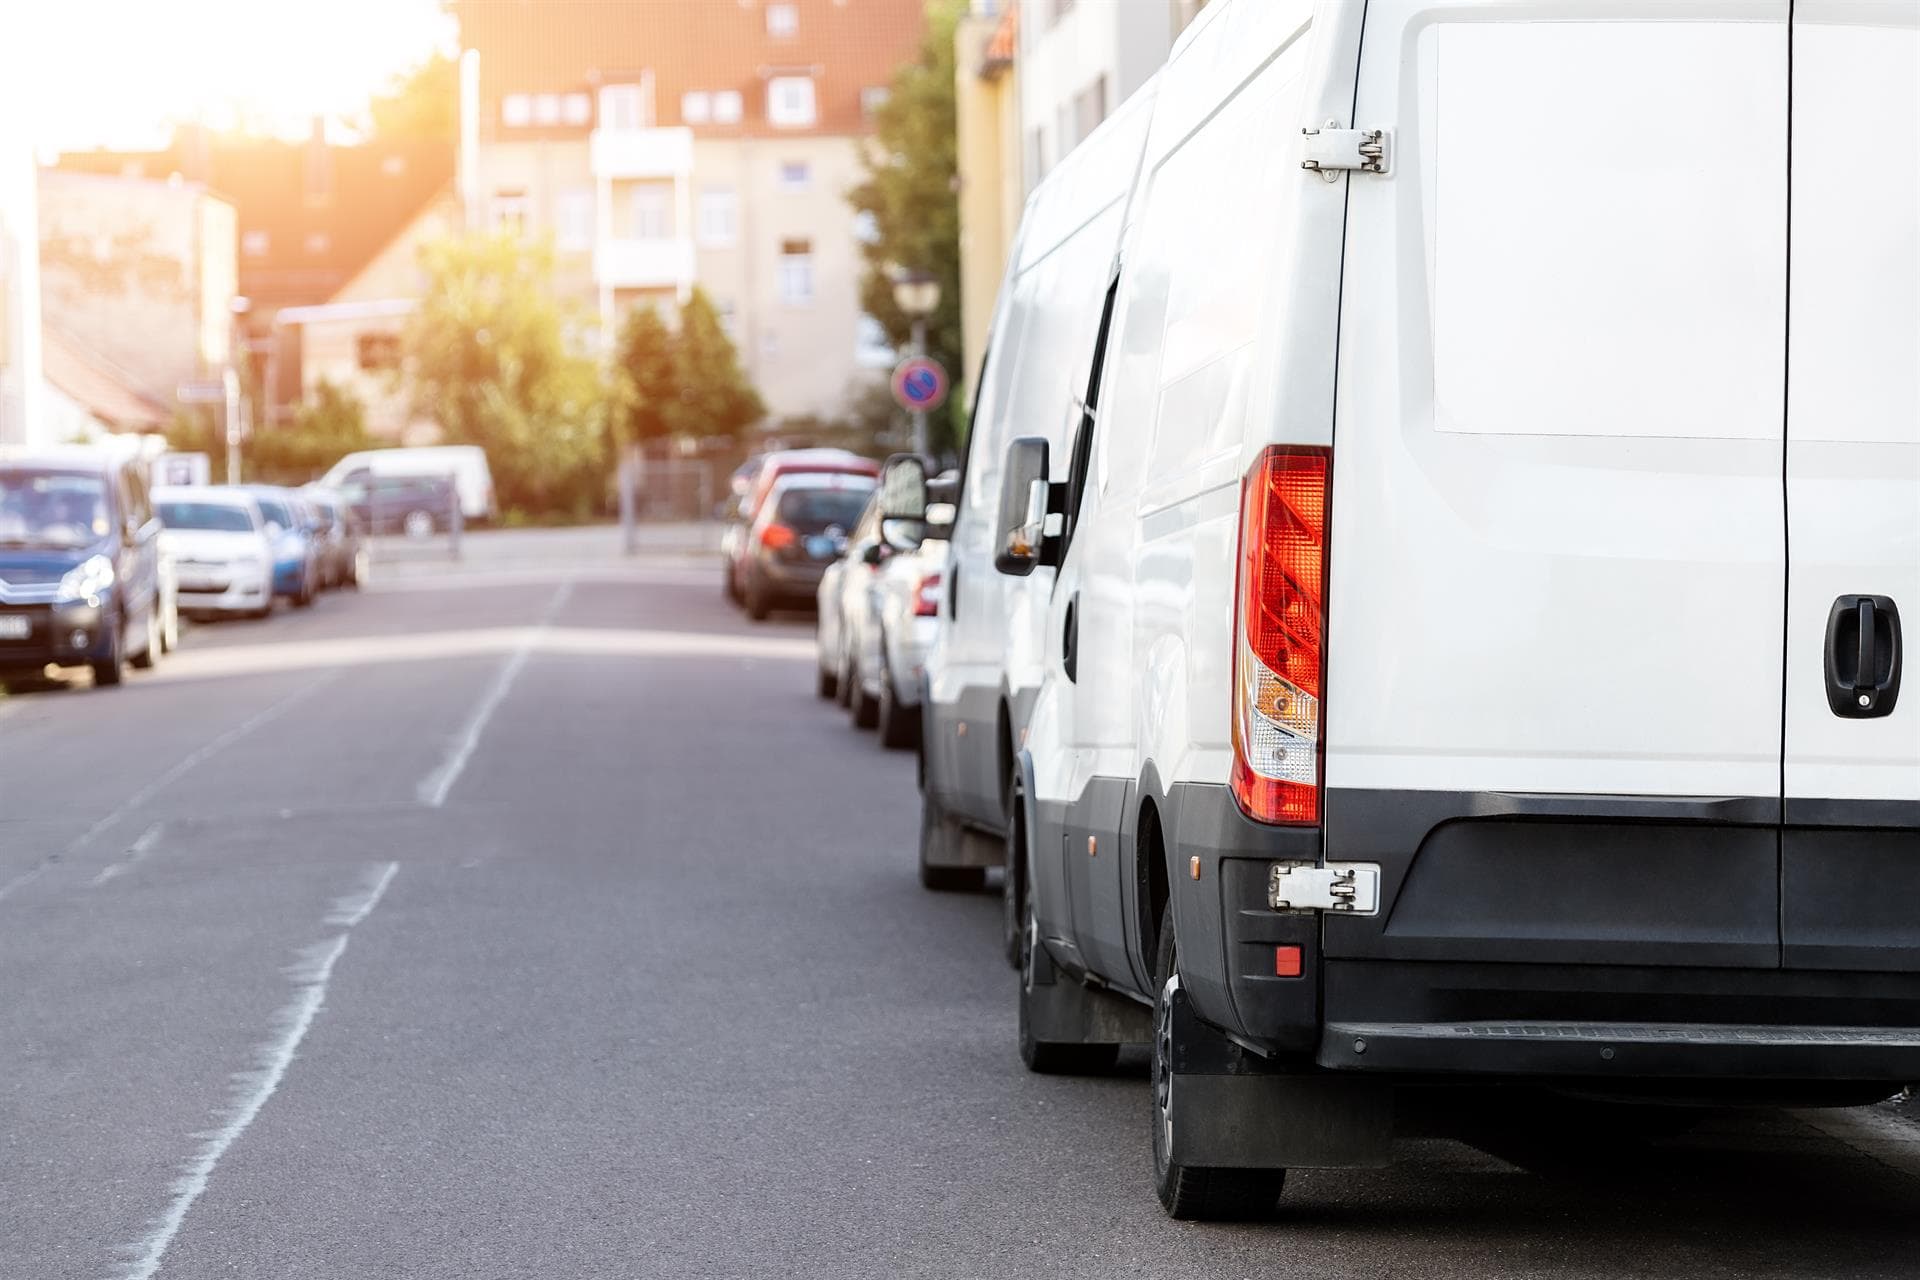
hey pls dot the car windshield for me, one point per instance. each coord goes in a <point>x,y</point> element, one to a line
<point>813,510</point>
<point>220,517</point>
<point>56,509</point>
<point>277,512</point>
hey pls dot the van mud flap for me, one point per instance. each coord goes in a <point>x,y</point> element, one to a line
<point>1232,1109</point>
<point>1063,1010</point>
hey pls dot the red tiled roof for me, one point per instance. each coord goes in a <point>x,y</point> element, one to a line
<point>561,46</point>
<point>313,215</point>
<point>98,387</point>
<point>1004,42</point>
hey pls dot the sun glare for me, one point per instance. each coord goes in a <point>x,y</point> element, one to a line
<point>125,73</point>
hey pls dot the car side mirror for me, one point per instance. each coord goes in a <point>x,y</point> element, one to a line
<point>903,501</point>
<point>874,554</point>
<point>1020,538</point>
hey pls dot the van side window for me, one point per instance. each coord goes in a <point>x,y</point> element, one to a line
<point>1083,438</point>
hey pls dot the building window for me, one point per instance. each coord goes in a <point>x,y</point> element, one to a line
<point>727,107</point>
<point>573,219</point>
<point>790,102</point>
<point>696,108</point>
<point>795,175</point>
<point>783,21</point>
<point>1061,8</point>
<point>796,272</point>
<point>1089,109</point>
<point>1036,155</point>
<point>546,109</point>
<point>652,213</point>
<point>621,107</point>
<point>872,98</point>
<point>719,218</point>
<point>255,244</point>
<point>577,109</point>
<point>729,319</point>
<point>376,352</point>
<point>866,227</point>
<point>510,210</point>
<point>516,110</point>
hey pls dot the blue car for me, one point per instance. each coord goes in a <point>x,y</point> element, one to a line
<point>291,529</point>
<point>80,582</point>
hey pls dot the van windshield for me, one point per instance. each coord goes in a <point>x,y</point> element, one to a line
<point>216,516</point>
<point>56,509</point>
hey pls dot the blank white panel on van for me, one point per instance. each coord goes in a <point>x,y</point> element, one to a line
<point>1601,191</point>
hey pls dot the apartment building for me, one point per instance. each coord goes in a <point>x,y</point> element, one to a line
<point>667,145</point>
<point>1079,59</point>
<point>993,191</point>
<point>20,358</point>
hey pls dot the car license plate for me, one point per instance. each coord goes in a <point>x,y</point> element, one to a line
<point>15,626</point>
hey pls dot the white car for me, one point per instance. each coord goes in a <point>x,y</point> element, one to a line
<point>889,630</point>
<point>218,543</point>
<point>1474,646</point>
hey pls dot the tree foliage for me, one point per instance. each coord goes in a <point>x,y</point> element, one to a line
<point>489,360</point>
<point>329,425</point>
<point>911,167</point>
<point>683,381</point>
<point>421,105</point>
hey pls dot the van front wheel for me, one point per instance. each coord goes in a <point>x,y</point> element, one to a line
<point>1189,1193</point>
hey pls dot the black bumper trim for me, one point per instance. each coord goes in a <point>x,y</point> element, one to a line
<point>1626,1050</point>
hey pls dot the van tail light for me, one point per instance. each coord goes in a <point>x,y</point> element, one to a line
<point>926,596</point>
<point>1280,605</point>
<point>776,537</point>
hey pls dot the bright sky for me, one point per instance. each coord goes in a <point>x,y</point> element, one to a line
<point>122,73</point>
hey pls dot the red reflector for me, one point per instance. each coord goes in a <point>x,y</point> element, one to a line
<point>1286,962</point>
<point>926,598</point>
<point>776,536</point>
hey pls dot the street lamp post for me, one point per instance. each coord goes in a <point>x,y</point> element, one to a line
<point>917,294</point>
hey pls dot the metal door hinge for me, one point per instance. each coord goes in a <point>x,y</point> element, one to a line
<point>1351,888</point>
<point>1330,149</point>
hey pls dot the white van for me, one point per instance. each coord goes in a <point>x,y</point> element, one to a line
<point>1475,647</point>
<point>466,463</point>
<point>984,666</point>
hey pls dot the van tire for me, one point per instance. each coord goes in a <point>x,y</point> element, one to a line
<point>757,604</point>
<point>940,838</point>
<point>111,671</point>
<point>825,683</point>
<point>1188,1193</point>
<point>863,705</point>
<point>843,682</point>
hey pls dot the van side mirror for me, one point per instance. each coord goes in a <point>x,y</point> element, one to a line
<point>1020,537</point>
<point>904,501</point>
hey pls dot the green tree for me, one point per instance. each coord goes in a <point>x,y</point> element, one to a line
<point>715,398</point>
<point>421,105</point>
<point>490,361</point>
<point>329,425</point>
<point>911,167</point>
<point>646,382</point>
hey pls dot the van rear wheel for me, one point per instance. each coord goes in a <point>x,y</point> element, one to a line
<point>1187,1192</point>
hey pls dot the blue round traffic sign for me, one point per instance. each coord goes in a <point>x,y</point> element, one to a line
<point>920,384</point>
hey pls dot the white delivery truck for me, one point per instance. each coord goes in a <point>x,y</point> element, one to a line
<point>464,464</point>
<point>1475,650</point>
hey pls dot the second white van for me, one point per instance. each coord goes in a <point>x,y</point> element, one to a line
<point>465,463</point>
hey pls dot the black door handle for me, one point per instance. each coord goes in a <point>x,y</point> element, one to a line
<point>1863,656</point>
<point>1070,638</point>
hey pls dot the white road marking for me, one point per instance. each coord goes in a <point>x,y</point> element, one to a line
<point>180,769</point>
<point>354,907</point>
<point>435,787</point>
<point>310,974</point>
<point>135,852</point>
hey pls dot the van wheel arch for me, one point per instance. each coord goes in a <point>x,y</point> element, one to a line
<point>1151,880</point>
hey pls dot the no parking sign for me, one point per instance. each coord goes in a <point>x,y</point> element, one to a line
<point>920,385</point>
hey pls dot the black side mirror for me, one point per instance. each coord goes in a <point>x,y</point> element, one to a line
<point>1020,537</point>
<point>874,554</point>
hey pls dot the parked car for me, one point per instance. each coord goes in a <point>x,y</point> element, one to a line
<point>735,545</point>
<point>343,554</point>
<point>985,663</point>
<point>799,532</point>
<point>1374,744</point>
<point>296,551</point>
<point>462,465</point>
<point>418,506</point>
<point>222,554</point>
<point>80,563</point>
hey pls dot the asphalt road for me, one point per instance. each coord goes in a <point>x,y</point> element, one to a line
<point>535,920</point>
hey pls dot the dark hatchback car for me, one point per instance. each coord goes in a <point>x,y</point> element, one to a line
<point>417,506</point>
<point>801,529</point>
<point>79,564</point>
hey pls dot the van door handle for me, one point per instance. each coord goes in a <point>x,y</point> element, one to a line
<point>1863,657</point>
<point>1070,638</point>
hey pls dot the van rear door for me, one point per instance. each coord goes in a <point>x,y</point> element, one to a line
<point>1558,549</point>
<point>1850,857</point>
